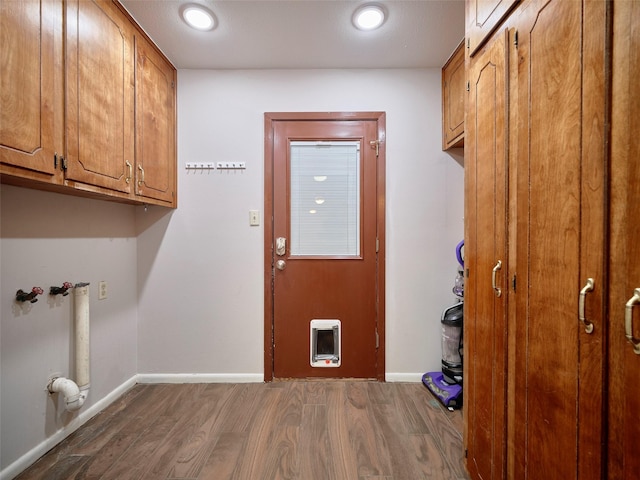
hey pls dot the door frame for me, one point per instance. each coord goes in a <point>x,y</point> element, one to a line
<point>270,118</point>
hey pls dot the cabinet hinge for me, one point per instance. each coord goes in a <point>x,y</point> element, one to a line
<point>467,273</point>
<point>513,283</point>
<point>55,160</point>
<point>466,453</point>
<point>377,339</point>
<point>515,39</point>
<point>468,86</point>
<point>377,245</point>
<point>469,42</point>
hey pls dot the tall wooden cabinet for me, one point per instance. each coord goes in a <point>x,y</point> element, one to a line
<point>543,339</point>
<point>486,252</point>
<point>87,103</point>
<point>559,107</point>
<point>624,247</point>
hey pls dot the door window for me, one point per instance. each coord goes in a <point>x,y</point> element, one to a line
<point>325,198</point>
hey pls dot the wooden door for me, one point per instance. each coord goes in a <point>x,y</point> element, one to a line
<point>155,124</point>
<point>482,18</point>
<point>624,269</point>
<point>329,264</point>
<point>31,113</point>
<point>99,96</point>
<point>558,366</point>
<point>486,287</point>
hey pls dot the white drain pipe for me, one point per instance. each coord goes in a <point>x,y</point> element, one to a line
<point>75,393</point>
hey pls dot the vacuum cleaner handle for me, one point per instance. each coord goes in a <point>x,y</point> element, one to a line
<point>459,253</point>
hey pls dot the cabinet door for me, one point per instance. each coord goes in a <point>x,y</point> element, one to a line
<point>453,93</point>
<point>155,124</point>
<point>557,425</point>
<point>99,96</point>
<point>624,362</point>
<point>486,262</point>
<point>483,17</point>
<point>30,87</point>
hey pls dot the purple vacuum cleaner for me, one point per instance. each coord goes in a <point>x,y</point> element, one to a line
<point>446,385</point>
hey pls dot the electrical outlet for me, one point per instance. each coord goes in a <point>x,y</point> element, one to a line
<point>102,290</point>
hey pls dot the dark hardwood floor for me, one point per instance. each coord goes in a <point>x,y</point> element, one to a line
<point>303,430</point>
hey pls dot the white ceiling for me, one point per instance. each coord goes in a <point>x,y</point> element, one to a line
<point>303,34</point>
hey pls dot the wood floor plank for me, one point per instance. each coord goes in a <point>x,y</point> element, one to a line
<point>260,434</point>
<point>96,467</point>
<point>137,459</point>
<point>404,463</point>
<point>225,456</point>
<point>239,414</point>
<point>411,416</point>
<point>363,436</point>
<point>192,455</point>
<point>314,439</point>
<point>429,458</point>
<point>66,468</point>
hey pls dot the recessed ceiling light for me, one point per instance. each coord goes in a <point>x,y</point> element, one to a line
<point>369,17</point>
<point>198,17</point>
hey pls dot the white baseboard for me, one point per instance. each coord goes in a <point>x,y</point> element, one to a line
<point>26,460</point>
<point>200,378</point>
<point>404,377</point>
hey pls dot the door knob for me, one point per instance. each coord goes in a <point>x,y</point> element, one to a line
<point>281,264</point>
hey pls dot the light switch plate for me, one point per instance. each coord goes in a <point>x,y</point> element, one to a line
<point>254,218</point>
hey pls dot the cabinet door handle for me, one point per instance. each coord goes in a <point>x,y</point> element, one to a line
<point>588,326</point>
<point>628,320</point>
<point>141,179</point>
<point>128,179</point>
<point>496,290</point>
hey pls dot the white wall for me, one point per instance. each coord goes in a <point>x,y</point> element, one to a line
<point>48,239</point>
<point>201,268</point>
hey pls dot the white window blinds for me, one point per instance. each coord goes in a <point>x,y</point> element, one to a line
<point>325,198</point>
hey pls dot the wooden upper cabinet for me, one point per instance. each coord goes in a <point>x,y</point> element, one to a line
<point>155,124</point>
<point>75,115</point>
<point>483,17</point>
<point>453,93</point>
<point>99,96</point>
<point>31,89</point>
